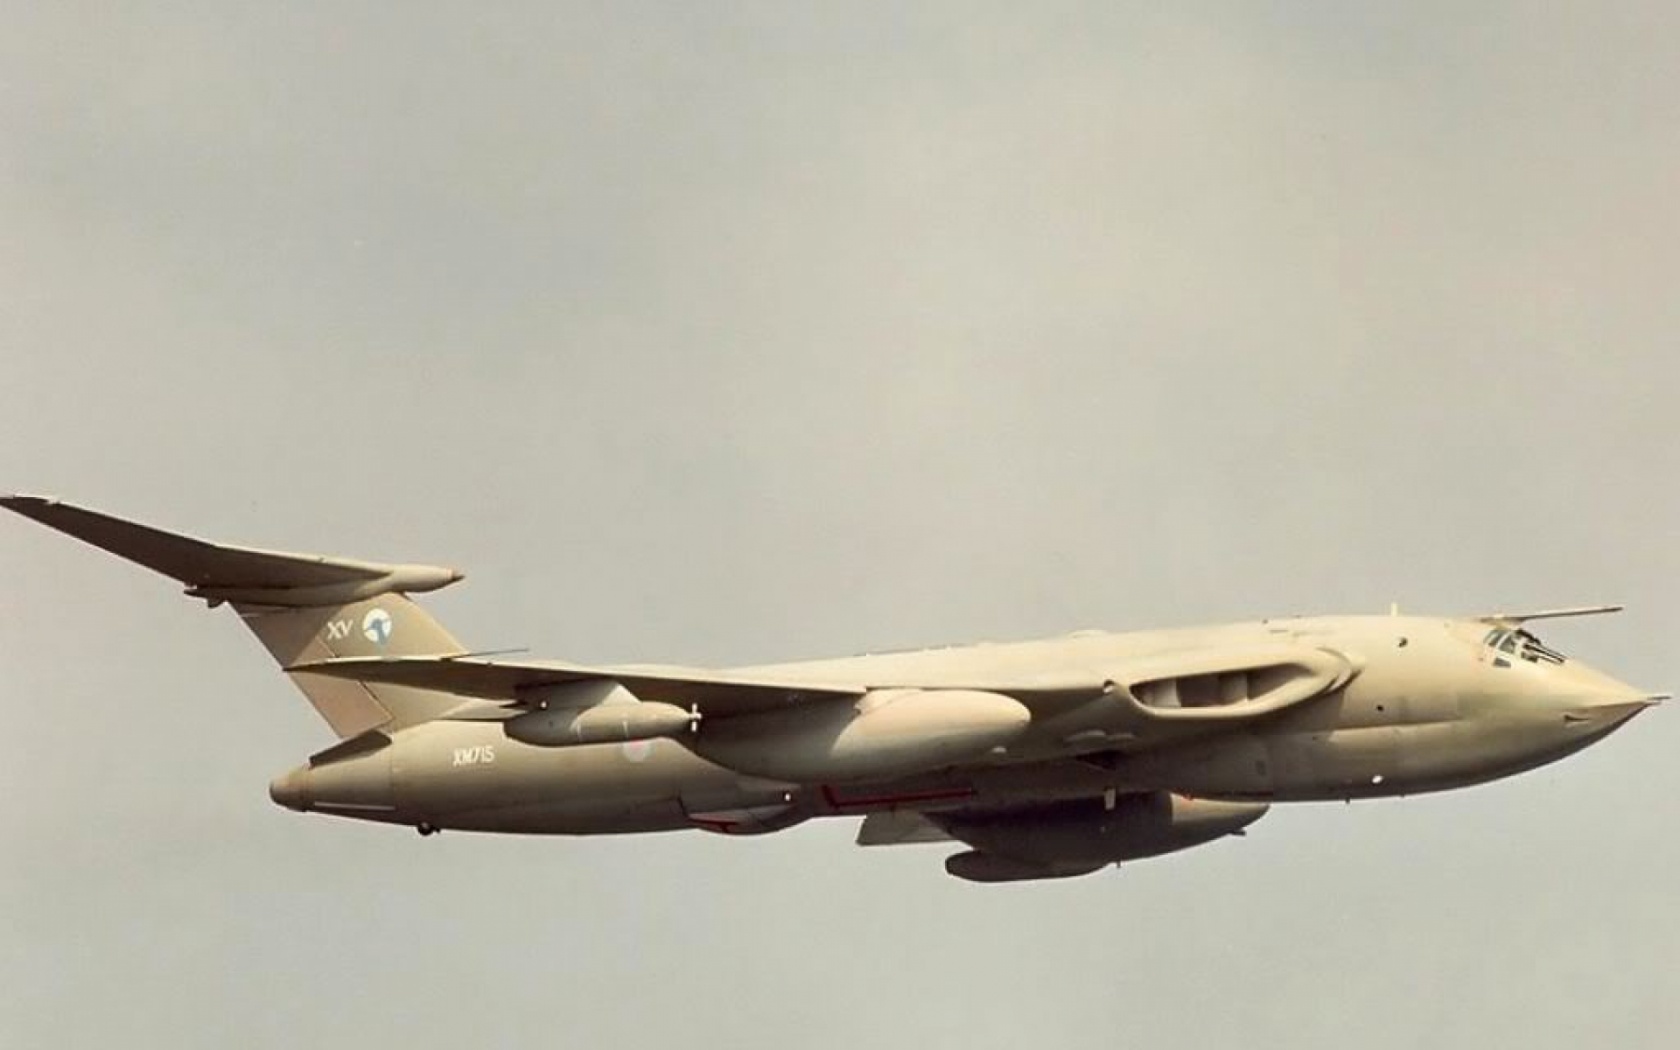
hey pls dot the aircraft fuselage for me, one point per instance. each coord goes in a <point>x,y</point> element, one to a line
<point>1047,759</point>
<point>1433,705</point>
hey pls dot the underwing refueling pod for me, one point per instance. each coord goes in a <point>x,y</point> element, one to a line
<point>1039,759</point>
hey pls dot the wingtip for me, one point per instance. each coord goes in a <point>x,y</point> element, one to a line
<point>24,502</point>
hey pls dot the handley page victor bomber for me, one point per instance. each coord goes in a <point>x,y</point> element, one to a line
<point>1042,759</point>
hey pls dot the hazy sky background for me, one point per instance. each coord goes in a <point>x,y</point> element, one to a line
<point>733,333</point>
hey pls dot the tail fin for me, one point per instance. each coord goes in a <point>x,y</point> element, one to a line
<point>389,625</point>
<point>302,607</point>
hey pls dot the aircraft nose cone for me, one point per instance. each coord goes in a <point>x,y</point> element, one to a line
<point>291,789</point>
<point>1608,715</point>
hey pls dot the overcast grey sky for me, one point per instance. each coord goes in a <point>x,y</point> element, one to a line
<point>733,333</point>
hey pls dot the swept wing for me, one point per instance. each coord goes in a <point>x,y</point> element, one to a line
<point>1160,697</point>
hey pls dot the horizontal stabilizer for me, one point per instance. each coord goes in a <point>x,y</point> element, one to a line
<point>219,573</point>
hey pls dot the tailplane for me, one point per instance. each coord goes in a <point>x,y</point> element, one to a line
<point>302,607</point>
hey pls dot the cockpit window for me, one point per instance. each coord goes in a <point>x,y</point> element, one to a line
<point>1523,645</point>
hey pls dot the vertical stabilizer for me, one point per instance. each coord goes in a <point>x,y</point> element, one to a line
<point>390,625</point>
<point>301,606</point>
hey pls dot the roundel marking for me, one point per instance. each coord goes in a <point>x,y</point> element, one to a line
<point>376,626</point>
<point>636,750</point>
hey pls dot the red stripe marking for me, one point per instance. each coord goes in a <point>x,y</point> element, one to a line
<point>891,800</point>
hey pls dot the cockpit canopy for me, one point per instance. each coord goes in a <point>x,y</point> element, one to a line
<point>1514,641</point>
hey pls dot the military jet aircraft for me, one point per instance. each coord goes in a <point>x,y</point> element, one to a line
<point>1043,759</point>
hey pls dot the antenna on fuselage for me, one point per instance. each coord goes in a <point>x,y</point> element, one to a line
<point>1516,618</point>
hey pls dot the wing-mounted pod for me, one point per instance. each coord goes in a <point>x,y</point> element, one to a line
<point>594,712</point>
<point>886,733</point>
